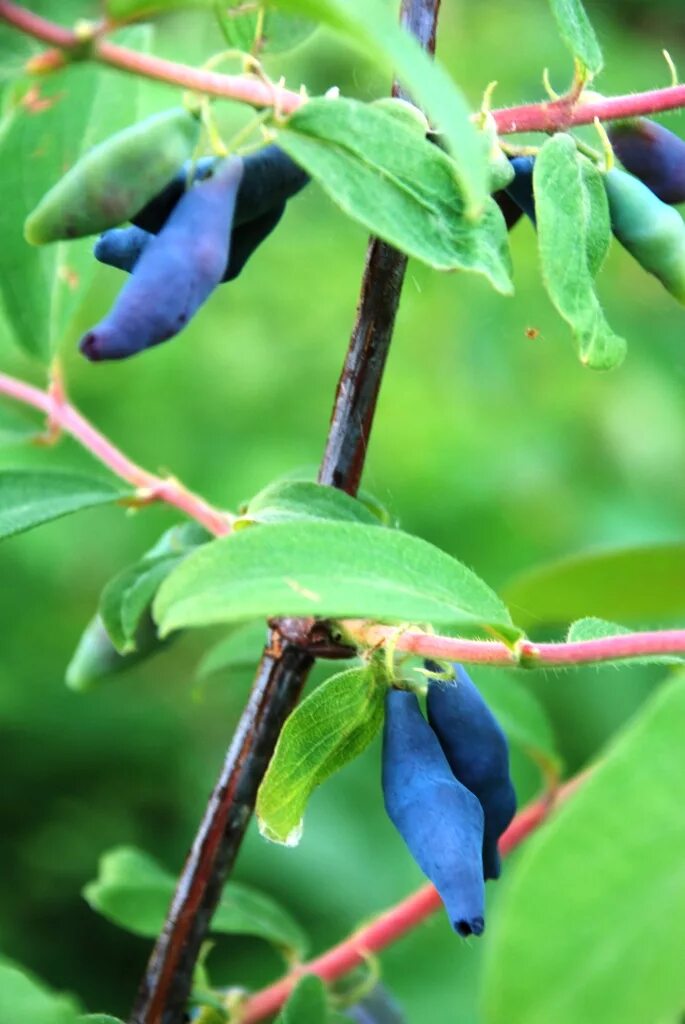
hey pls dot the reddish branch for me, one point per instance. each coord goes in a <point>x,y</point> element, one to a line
<point>63,416</point>
<point>341,465</point>
<point>524,654</point>
<point>391,925</point>
<point>548,116</point>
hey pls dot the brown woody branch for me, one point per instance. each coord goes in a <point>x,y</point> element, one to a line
<point>285,664</point>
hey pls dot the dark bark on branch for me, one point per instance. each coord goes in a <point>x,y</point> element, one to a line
<point>285,664</point>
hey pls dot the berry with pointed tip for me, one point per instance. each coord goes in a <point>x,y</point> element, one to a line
<point>176,272</point>
<point>653,154</point>
<point>477,752</point>
<point>439,819</point>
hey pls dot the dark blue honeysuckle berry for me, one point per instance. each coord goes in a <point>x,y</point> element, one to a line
<point>175,273</point>
<point>520,188</point>
<point>270,178</point>
<point>477,752</point>
<point>122,247</point>
<point>440,820</point>
<point>653,154</point>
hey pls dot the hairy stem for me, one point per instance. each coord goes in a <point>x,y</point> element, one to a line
<point>391,925</point>
<point>557,115</point>
<point>341,466</point>
<point>664,642</point>
<point>63,416</point>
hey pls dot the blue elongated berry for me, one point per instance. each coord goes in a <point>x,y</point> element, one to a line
<point>520,188</point>
<point>270,178</point>
<point>653,154</point>
<point>478,754</point>
<point>439,819</point>
<point>176,272</point>
<point>122,247</point>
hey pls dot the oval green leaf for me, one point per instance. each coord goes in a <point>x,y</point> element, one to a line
<point>597,899</point>
<point>404,189</point>
<point>133,891</point>
<point>330,570</point>
<point>630,585</point>
<point>25,999</point>
<point>326,731</point>
<point>571,247</point>
<point>30,498</point>
<point>578,34</point>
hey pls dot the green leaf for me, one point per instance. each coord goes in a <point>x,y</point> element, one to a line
<point>635,584</point>
<point>25,999</point>
<point>128,10</point>
<point>41,288</point>
<point>372,27</point>
<point>597,218</point>
<point>403,188</point>
<point>597,629</point>
<point>128,597</point>
<point>133,891</point>
<point>578,34</point>
<point>29,497</point>
<point>521,715</point>
<point>279,32</point>
<point>326,731</point>
<point>240,649</point>
<point>308,1003</point>
<point>327,569</point>
<point>596,902</point>
<point>569,242</point>
<point>16,427</point>
<point>298,499</point>
<point>126,602</point>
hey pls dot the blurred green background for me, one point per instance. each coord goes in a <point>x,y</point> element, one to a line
<point>496,446</point>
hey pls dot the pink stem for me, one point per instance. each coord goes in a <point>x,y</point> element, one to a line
<point>561,114</point>
<point>153,488</point>
<point>525,654</point>
<point>393,924</point>
<point>211,83</point>
<point>557,115</point>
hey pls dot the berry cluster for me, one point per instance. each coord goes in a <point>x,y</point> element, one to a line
<point>193,224</point>
<point>186,241</point>
<point>447,790</point>
<point>640,202</point>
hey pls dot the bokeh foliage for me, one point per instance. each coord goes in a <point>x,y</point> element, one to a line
<point>495,445</point>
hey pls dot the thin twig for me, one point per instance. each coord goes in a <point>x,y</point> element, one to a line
<point>391,925</point>
<point>557,115</point>
<point>343,461</point>
<point>63,416</point>
<point>525,654</point>
<point>284,667</point>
